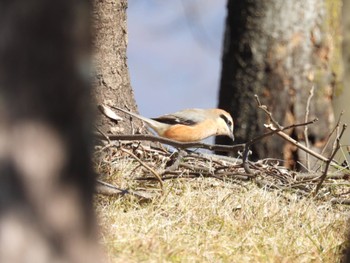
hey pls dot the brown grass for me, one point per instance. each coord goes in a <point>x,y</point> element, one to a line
<point>207,220</point>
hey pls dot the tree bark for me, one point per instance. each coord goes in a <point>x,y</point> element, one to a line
<point>279,50</point>
<point>112,87</point>
<point>341,100</point>
<point>46,175</point>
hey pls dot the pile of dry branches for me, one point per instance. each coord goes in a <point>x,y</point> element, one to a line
<point>157,163</point>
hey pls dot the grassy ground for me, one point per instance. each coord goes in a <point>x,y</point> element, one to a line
<point>207,220</point>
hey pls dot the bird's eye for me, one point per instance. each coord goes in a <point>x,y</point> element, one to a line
<point>228,122</point>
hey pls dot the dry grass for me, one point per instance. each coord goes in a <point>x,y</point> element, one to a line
<point>207,220</point>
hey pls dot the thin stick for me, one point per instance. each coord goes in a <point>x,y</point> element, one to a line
<point>331,133</point>
<point>108,189</point>
<point>279,130</point>
<point>264,108</point>
<point>314,177</point>
<point>301,146</point>
<point>335,128</point>
<point>340,201</point>
<point>176,144</point>
<point>324,175</point>
<point>146,166</point>
<point>306,136</point>
<point>275,127</point>
<point>273,131</point>
<point>103,134</point>
<point>194,174</point>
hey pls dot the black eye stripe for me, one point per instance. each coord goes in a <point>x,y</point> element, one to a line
<point>228,122</point>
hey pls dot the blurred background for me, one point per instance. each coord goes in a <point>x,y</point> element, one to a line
<point>162,36</point>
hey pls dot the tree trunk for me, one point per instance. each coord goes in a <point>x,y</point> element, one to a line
<point>342,94</point>
<point>279,50</point>
<point>112,87</point>
<point>342,98</point>
<point>46,176</point>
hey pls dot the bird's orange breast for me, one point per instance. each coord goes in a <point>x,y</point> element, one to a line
<point>195,133</point>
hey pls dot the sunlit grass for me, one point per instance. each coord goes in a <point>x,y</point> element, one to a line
<point>206,220</point>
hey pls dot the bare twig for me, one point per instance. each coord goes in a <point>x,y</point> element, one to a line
<point>315,177</point>
<point>103,134</point>
<point>108,189</point>
<point>279,130</point>
<point>340,201</point>
<point>176,144</point>
<point>146,166</point>
<point>324,175</point>
<point>302,147</point>
<point>333,131</point>
<point>247,147</point>
<point>264,108</point>
<point>306,136</point>
<point>275,127</point>
<point>273,130</point>
<point>181,175</point>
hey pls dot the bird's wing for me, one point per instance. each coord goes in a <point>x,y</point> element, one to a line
<point>185,117</point>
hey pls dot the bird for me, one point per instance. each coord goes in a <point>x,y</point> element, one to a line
<point>190,125</point>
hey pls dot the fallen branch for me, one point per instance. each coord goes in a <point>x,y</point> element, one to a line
<point>275,128</point>
<point>108,189</point>
<point>340,201</point>
<point>314,177</point>
<point>147,167</point>
<point>278,129</point>
<point>194,164</point>
<point>301,146</point>
<point>176,144</point>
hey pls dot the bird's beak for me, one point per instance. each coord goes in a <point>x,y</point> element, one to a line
<point>232,136</point>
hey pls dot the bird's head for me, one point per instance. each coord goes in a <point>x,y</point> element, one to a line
<point>225,123</point>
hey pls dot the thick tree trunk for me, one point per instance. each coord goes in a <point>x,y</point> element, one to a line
<point>342,95</point>
<point>113,87</point>
<point>46,176</point>
<point>279,50</point>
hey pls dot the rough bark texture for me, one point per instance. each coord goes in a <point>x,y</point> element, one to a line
<point>46,176</point>
<point>342,98</point>
<point>342,94</point>
<point>113,83</point>
<point>278,50</point>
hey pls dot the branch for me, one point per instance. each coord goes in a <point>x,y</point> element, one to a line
<point>146,166</point>
<point>306,136</point>
<point>176,144</point>
<point>333,131</point>
<point>279,130</point>
<point>324,175</point>
<point>108,189</point>
<point>300,146</point>
<point>340,201</point>
<point>274,130</point>
<point>264,108</point>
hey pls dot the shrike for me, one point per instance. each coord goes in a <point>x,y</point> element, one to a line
<point>190,125</point>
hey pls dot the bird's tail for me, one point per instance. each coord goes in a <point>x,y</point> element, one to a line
<point>155,125</point>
